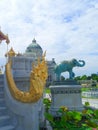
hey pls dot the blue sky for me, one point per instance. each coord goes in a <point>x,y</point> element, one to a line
<point>66,29</point>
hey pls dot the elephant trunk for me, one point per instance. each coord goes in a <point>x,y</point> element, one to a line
<point>81,63</point>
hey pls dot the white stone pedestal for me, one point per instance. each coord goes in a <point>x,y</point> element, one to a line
<point>65,95</point>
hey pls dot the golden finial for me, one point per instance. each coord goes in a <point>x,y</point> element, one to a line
<point>10,53</point>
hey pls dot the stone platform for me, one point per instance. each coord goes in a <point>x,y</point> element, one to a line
<point>66,95</point>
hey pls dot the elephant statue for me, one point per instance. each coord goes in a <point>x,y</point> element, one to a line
<point>68,66</point>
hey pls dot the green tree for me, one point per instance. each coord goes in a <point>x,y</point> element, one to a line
<point>94,76</point>
<point>84,77</point>
<point>78,78</point>
<point>62,78</point>
<point>89,77</point>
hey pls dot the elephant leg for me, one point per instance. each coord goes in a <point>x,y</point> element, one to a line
<point>58,77</point>
<point>71,74</point>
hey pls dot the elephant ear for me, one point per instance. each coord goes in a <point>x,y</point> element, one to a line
<point>74,61</point>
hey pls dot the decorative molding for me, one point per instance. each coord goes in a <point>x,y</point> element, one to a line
<point>65,90</point>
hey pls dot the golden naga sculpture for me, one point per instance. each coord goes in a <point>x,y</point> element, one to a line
<point>38,79</point>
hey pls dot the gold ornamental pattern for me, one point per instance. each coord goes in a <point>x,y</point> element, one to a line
<point>38,79</point>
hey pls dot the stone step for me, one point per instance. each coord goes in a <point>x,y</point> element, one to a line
<point>1,78</point>
<point>1,88</point>
<point>2,102</point>
<point>7,127</point>
<point>3,111</point>
<point>1,82</point>
<point>4,120</point>
<point>1,94</point>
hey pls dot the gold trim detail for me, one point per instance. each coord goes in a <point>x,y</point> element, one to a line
<point>38,79</point>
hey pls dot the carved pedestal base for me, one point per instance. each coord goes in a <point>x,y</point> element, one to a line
<point>66,95</point>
